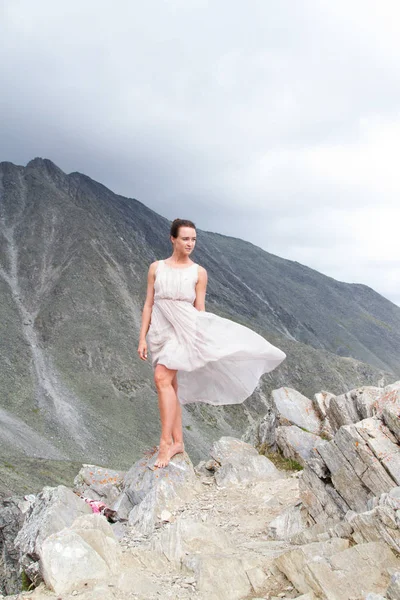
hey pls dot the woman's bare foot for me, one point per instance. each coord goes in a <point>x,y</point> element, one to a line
<point>163,455</point>
<point>175,448</point>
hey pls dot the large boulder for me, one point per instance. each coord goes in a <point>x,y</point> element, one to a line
<point>334,571</point>
<point>294,408</point>
<point>53,510</point>
<point>146,493</point>
<point>86,551</point>
<point>240,463</point>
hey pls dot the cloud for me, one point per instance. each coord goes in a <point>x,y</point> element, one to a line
<point>275,122</point>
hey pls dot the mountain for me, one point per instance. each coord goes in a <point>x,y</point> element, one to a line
<point>73,264</point>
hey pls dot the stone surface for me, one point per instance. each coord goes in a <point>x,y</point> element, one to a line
<point>146,493</point>
<point>218,576</point>
<point>187,536</point>
<point>67,561</point>
<point>53,510</point>
<point>11,519</point>
<point>335,572</point>
<point>99,483</point>
<point>320,532</point>
<point>393,590</point>
<point>353,406</point>
<point>290,522</point>
<point>86,550</point>
<point>297,444</point>
<point>296,409</point>
<point>240,463</point>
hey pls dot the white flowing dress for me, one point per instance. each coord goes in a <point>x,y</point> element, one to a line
<point>218,361</point>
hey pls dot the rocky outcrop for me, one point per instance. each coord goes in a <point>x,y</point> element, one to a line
<point>146,493</point>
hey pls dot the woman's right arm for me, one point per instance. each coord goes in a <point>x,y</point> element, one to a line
<point>147,310</point>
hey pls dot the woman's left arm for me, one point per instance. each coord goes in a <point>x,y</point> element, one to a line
<point>201,287</point>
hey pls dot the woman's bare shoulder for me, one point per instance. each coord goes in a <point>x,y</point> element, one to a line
<point>202,272</point>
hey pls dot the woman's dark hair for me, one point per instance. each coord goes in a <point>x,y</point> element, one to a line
<point>177,223</point>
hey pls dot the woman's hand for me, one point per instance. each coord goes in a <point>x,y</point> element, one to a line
<point>142,349</point>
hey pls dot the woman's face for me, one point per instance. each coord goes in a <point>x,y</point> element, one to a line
<point>186,240</point>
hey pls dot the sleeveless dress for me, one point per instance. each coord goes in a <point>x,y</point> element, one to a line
<point>218,361</point>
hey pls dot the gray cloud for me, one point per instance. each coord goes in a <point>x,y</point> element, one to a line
<point>277,122</point>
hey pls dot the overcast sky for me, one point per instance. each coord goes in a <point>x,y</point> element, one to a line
<point>277,121</point>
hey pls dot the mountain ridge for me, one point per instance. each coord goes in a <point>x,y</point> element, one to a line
<point>73,265</point>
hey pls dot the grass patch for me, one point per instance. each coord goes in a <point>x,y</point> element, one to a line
<point>280,461</point>
<point>189,427</point>
<point>9,466</point>
<point>26,583</point>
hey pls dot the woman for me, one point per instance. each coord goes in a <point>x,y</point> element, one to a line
<point>206,357</point>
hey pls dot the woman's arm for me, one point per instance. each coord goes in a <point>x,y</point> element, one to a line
<point>201,287</point>
<point>147,310</point>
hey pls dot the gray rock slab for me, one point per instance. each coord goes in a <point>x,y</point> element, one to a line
<point>294,563</point>
<point>218,576</point>
<point>383,444</point>
<point>290,522</point>
<point>240,463</point>
<point>187,536</point>
<point>393,590</point>
<point>146,493</point>
<point>341,574</point>
<point>320,498</point>
<point>297,409</point>
<point>67,561</point>
<point>297,444</point>
<point>11,520</point>
<point>99,483</point>
<point>391,417</point>
<point>53,510</point>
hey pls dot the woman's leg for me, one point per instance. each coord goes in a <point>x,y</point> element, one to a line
<point>177,432</point>
<point>167,403</point>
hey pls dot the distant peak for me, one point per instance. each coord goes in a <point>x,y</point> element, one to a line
<point>45,165</point>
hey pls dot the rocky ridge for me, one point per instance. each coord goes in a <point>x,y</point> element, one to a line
<point>235,527</point>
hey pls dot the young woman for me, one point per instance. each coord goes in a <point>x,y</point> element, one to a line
<point>197,356</point>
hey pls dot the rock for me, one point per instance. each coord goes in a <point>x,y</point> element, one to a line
<point>321,532</point>
<point>219,576</point>
<point>11,520</point>
<point>137,582</point>
<point>339,574</point>
<point>383,444</point>
<point>240,463</point>
<point>53,510</point>
<point>393,591</point>
<point>257,578</point>
<point>290,522</point>
<point>381,523</point>
<point>296,409</point>
<point>294,563</point>
<point>99,483</point>
<point>87,550</point>
<point>187,536</point>
<point>373,596</point>
<point>298,444</point>
<point>391,417</point>
<point>146,493</point>
<point>321,402</point>
<point>320,497</point>
<point>353,406</point>
<point>67,560</point>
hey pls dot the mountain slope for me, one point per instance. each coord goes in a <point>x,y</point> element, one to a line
<point>73,264</point>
